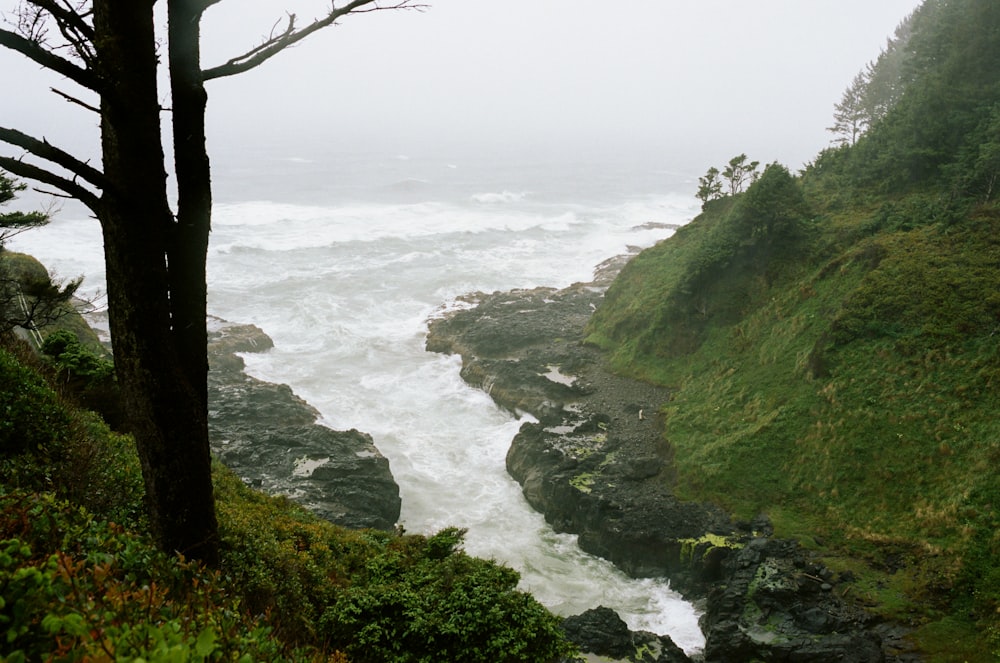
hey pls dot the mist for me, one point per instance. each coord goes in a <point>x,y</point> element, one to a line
<point>682,83</point>
<point>700,81</point>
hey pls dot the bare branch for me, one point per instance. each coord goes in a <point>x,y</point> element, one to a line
<point>71,21</point>
<point>34,51</point>
<point>32,172</point>
<point>290,36</point>
<point>45,150</point>
<point>74,100</point>
<point>54,194</point>
<point>31,23</point>
<point>68,17</point>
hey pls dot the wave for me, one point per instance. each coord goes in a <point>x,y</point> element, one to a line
<point>282,227</point>
<point>499,198</point>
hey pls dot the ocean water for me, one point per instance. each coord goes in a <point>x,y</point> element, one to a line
<point>343,258</point>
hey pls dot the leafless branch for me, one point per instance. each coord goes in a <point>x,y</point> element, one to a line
<point>70,187</point>
<point>74,100</point>
<point>54,194</point>
<point>45,150</point>
<point>37,52</point>
<point>275,43</point>
<point>71,21</point>
<point>68,15</point>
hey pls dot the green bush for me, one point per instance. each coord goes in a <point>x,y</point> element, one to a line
<point>417,606</point>
<point>31,417</point>
<point>48,445</point>
<point>77,588</point>
<point>74,360</point>
<point>377,596</point>
<point>85,375</point>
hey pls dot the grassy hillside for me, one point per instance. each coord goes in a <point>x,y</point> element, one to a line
<point>840,370</point>
<point>81,578</point>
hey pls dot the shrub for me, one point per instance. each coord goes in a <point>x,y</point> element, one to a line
<point>85,375</point>
<point>79,588</point>
<point>31,417</point>
<point>375,595</point>
<point>48,445</point>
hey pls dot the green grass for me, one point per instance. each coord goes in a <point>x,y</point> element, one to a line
<point>851,396</point>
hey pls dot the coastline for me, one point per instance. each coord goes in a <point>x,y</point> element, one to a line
<point>272,439</point>
<point>598,465</point>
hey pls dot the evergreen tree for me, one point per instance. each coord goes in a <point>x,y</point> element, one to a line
<point>738,173</point>
<point>709,186</point>
<point>28,297</point>
<point>12,223</point>
<point>110,50</point>
<point>850,117</point>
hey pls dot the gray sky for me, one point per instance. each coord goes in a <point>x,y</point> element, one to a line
<point>702,79</point>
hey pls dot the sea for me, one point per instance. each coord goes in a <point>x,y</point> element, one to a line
<point>342,257</point>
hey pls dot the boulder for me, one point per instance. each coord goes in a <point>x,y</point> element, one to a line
<point>274,441</point>
<point>776,604</point>
<point>602,632</point>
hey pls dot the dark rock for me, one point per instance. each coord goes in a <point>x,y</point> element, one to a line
<point>593,466</point>
<point>601,631</point>
<point>272,439</point>
<point>767,609</point>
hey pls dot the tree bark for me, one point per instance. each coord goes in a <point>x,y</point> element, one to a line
<point>188,250</point>
<point>149,294</point>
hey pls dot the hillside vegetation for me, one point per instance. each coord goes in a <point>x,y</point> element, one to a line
<point>833,338</point>
<point>82,579</point>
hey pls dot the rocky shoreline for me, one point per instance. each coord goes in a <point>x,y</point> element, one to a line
<point>597,464</point>
<point>272,439</point>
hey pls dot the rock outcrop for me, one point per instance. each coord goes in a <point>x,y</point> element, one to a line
<point>602,632</point>
<point>272,439</point>
<point>596,464</point>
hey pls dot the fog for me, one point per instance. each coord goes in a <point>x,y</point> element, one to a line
<point>702,79</point>
<point>695,81</point>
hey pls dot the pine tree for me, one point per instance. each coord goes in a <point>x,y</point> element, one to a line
<point>851,117</point>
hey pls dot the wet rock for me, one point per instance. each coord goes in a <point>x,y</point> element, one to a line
<point>602,632</point>
<point>771,607</point>
<point>597,464</point>
<point>272,439</point>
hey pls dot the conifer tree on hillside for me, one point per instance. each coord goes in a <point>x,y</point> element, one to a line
<point>850,117</point>
<point>738,173</point>
<point>930,105</point>
<point>874,90</point>
<point>110,52</point>
<point>28,299</point>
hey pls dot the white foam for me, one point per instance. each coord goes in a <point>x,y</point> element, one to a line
<point>499,198</point>
<point>346,290</point>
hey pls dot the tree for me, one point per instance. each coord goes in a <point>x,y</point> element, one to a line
<point>12,223</point>
<point>29,298</point>
<point>709,186</point>
<point>850,116</point>
<point>154,255</point>
<point>739,173</point>
<point>875,89</point>
<point>774,208</point>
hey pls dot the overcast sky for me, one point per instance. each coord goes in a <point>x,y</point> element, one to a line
<point>702,79</point>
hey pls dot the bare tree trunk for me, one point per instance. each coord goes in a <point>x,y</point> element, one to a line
<point>164,398</point>
<point>188,251</point>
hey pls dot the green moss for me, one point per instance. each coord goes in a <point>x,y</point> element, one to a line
<point>703,545</point>
<point>583,482</point>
